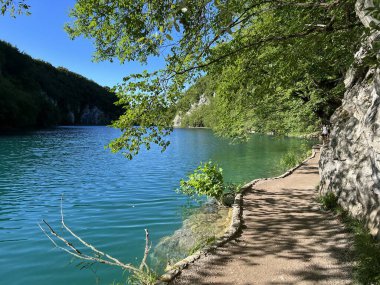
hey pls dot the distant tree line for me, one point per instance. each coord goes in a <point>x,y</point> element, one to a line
<point>35,94</point>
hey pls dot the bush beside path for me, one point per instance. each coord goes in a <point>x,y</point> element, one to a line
<point>286,239</point>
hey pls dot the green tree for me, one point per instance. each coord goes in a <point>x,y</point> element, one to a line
<point>291,83</point>
<point>269,58</point>
<point>277,65</point>
<point>35,94</point>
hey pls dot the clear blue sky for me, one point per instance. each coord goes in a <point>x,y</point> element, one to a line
<point>41,35</point>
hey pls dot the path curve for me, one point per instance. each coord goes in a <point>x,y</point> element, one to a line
<point>286,239</point>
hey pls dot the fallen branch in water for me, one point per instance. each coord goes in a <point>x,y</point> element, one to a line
<point>98,255</point>
<point>146,251</point>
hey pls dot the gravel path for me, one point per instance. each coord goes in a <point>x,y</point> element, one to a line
<point>286,239</point>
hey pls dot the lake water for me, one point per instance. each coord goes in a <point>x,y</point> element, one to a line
<point>108,200</point>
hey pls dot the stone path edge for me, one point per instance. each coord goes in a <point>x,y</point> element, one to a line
<point>231,233</point>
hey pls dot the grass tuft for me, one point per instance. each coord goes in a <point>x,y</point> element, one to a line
<point>294,157</point>
<point>366,252</point>
<point>143,277</point>
<point>329,201</point>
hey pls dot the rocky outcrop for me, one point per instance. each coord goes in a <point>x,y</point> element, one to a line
<point>93,116</point>
<point>178,119</point>
<point>350,163</point>
<point>88,115</point>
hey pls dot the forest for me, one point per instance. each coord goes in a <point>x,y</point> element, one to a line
<point>285,67</point>
<point>266,66</point>
<point>35,94</point>
<point>289,85</point>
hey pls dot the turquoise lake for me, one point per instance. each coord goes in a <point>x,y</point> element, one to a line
<point>108,200</point>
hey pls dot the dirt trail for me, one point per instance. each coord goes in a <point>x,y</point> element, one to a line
<point>286,239</point>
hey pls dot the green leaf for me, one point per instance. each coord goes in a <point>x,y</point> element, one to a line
<point>176,26</point>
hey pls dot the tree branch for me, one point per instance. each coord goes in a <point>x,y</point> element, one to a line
<point>146,251</point>
<point>315,29</point>
<point>101,257</point>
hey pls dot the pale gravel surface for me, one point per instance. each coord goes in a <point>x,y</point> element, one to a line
<point>286,239</point>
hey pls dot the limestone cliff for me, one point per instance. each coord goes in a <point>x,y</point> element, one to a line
<point>178,120</point>
<point>350,163</point>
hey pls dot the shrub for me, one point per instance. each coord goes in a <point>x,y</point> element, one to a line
<point>328,201</point>
<point>207,179</point>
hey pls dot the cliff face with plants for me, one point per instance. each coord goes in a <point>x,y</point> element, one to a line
<point>194,117</point>
<point>35,94</point>
<point>350,164</point>
<point>194,108</point>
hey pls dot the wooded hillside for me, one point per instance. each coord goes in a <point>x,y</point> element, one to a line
<point>35,94</point>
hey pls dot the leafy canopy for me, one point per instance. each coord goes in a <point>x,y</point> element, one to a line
<point>267,57</point>
<point>14,7</point>
<point>275,65</point>
<point>287,85</point>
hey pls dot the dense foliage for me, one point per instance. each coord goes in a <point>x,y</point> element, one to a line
<point>34,93</point>
<point>207,179</point>
<point>289,85</point>
<point>14,7</point>
<point>192,113</point>
<point>274,65</point>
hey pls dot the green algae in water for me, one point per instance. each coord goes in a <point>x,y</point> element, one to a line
<point>199,229</point>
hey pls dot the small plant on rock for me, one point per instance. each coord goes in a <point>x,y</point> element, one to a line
<point>329,201</point>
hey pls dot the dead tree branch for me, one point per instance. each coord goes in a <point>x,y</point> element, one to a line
<point>98,255</point>
<point>146,251</point>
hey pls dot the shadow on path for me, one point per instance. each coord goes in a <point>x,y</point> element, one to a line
<point>286,239</point>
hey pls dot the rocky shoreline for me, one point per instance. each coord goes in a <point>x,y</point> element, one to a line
<point>231,233</point>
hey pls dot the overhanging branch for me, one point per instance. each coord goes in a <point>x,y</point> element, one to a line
<point>314,30</point>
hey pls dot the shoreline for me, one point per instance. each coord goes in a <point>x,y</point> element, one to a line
<point>231,233</point>
<point>286,238</point>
